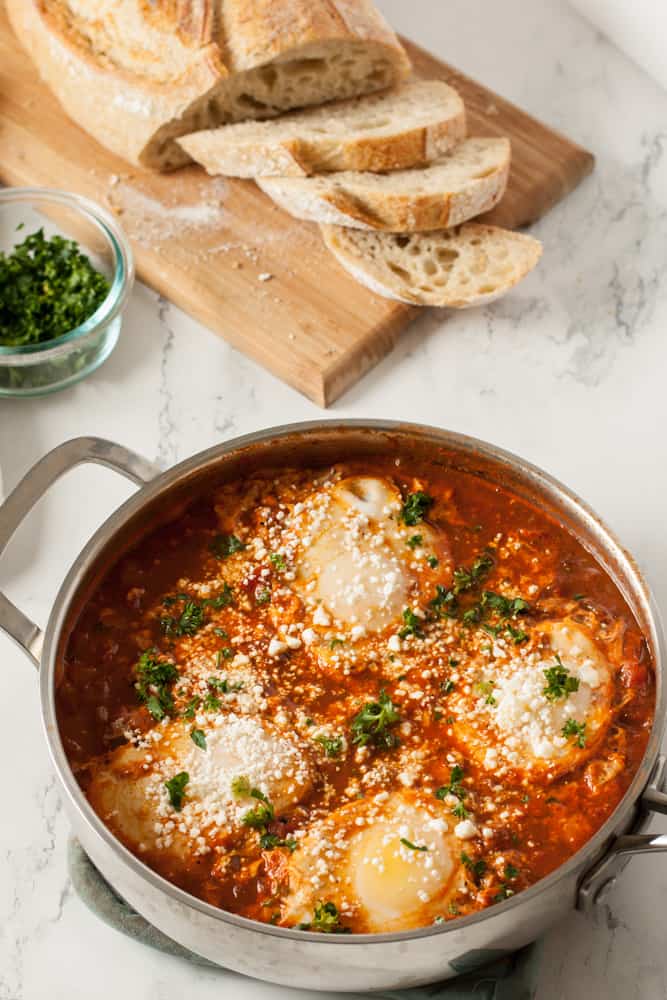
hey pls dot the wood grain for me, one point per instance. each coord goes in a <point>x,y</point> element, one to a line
<point>208,244</point>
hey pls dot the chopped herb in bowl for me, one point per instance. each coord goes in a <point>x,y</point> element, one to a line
<point>48,287</point>
<point>61,298</point>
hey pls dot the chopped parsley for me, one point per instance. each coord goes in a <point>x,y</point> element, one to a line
<point>486,688</point>
<point>326,919</point>
<point>414,541</point>
<point>211,703</point>
<point>576,730</point>
<point>223,685</point>
<point>223,546</point>
<point>413,847</point>
<point>373,723</point>
<point>433,561</point>
<point>456,789</point>
<point>262,595</point>
<point>278,561</point>
<point>241,787</point>
<point>223,599</point>
<point>191,707</point>
<point>332,745</point>
<point>269,841</point>
<point>445,601</point>
<point>155,679</point>
<point>415,508</point>
<point>447,686</point>
<point>476,868</point>
<point>413,625</point>
<point>193,613</point>
<point>505,891</point>
<point>190,620</point>
<point>263,814</point>
<point>560,683</point>
<point>48,288</point>
<point>176,788</point>
<point>335,643</point>
<point>198,737</point>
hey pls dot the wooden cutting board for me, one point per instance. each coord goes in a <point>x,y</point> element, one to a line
<point>224,253</point>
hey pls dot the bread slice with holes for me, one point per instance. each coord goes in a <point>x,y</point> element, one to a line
<point>136,74</point>
<point>467,266</point>
<point>407,127</point>
<point>467,181</point>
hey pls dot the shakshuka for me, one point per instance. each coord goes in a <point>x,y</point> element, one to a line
<point>359,698</point>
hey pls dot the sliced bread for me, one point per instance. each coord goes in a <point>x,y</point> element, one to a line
<point>136,74</point>
<point>467,266</point>
<point>406,127</point>
<point>467,181</point>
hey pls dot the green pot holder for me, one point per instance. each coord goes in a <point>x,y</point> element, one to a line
<point>510,978</point>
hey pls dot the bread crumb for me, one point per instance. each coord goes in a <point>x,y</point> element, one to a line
<point>264,276</point>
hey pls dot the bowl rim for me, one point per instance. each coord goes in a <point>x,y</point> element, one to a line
<point>124,268</point>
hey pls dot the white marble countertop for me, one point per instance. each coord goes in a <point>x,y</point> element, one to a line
<point>567,371</point>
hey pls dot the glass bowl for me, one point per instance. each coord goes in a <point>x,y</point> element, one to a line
<point>36,369</point>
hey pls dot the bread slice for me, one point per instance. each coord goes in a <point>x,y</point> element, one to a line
<point>467,266</point>
<point>137,74</point>
<point>469,180</point>
<point>406,127</point>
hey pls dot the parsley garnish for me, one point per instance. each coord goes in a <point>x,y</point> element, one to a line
<point>48,287</point>
<point>262,595</point>
<point>432,561</point>
<point>476,868</point>
<point>332,745</point>
<point>226,545</point>
<point>373,723</point>
<point>414,541</point>
<point>263,814</point>
<point>415,508</point>
<point>278,561</point>
<point>190,621</point>
<point>457,790</point>
<point>413,625</point>
<point>486,688</point>
<point>176,788</point>
<point>560,683</point>
<point>223,685</point>
<point>155,678</point>
<point>268,841</point>
<point>223,599</point>
<point>241,787</point>
<point>198,737</point>
<point>326,919</point>
<point>413,847</point>
<point>211,703</point>
<point>191,707</point>
<point>576,730</point>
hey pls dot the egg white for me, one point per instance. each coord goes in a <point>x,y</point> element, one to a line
<point>354,568</point>
<point>504,718</point>
<point>128,792</point>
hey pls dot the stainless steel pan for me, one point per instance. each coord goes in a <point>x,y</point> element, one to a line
<point>291,957</point>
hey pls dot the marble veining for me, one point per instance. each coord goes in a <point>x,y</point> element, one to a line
<point>568,371</point>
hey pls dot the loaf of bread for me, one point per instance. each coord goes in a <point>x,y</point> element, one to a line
<point>469,180</point>
<point>466,266</point>
<point>136,74</point>
<point>409,126</point>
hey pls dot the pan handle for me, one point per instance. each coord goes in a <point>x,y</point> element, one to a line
<point>600,880</point>
<point>32,487</point>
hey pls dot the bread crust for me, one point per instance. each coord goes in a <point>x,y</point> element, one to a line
<point>136,110</point>
<point>347,203</point>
